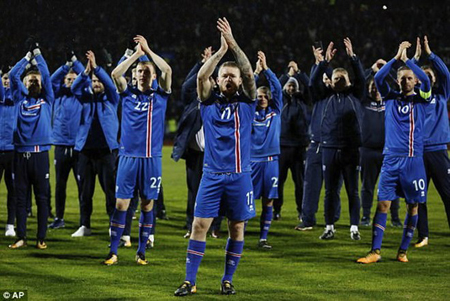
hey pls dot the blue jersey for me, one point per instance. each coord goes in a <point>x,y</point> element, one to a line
<point>227,125</point>
<point>66,109</point>
<point>436,128</point>
<point>8,113</point>
<point>33,131</point>
<point>405,114</point>
<point>143,115</point>
<point>267,123</point>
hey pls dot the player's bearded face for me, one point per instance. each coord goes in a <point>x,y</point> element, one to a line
<point>431,76</point>
<point>97,85</point>
<point>406,80</point>
<point>69,78</point>
<point>5,80</point>
<point>340,81</point>
<point>33,84</point>
<point>229,80</point>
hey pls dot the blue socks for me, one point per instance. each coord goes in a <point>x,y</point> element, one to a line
<point>379,225</point>
<point>408,230</point>
<point>233,253</point>
<point>145,228</point>
<point>195,252</point>
<point>117,226</point>
<point>266,221</point>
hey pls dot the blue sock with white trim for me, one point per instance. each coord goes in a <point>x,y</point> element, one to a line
<point>195,252</point>
<point>118,221</point>
<point>233,254</point>
<point>145,228</point>
<point>379,225</point>
<point>408,230</point>
<point>266,221</point>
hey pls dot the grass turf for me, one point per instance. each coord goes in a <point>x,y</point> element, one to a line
<point>299,267</point>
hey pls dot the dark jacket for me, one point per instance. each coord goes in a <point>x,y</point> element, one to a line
<point>341,119</point>
<point>190,121</point>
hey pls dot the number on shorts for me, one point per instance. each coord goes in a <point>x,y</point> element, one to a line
<point>249,198</point>
<point>275,182</point>
<point>419,184</point>
<point>155,180</point>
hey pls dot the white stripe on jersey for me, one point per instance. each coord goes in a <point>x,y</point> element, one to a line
<point>148,150</point>
<point>411,130</point>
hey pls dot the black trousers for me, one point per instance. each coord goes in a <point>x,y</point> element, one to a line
<point>293,158</point>
<point>66,160</point>
<point>31,169</point>
<point>6,168</point>
<point>371,162</point>
<point>335,162</point>
<point>437,167</point>
<point>94,162</point>
<point>313,184</point>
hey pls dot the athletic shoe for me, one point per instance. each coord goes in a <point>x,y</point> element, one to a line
<point>125,241</point>
<point>111,259</point>
<point>187,235</point>
<point>215,234</point>
<point>302,227</point>
<point>327,234</point>
<point>185,289</point>
<point>401,256</point>
<point>140,259</point>
<point>263,244</point>
<point>57,223</point>
<point>82,231</point>
<point>371,257</point>
<point>150,242</point>
<point>422,242</point>
<point>41,245</point>
<point>395,222</point>
<point>227,288</point>
<point>276,215</point>
<point>355,235</point>
<point>9,230</point>
<point>18,244</point>
<point>365,221</point>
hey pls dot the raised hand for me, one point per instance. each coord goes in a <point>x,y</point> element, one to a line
<point>223,44</point>
<point>329,55</point>
<point>258,67</point>
<point>139,50</point>
<point>378,64</point>
<point>207,52</point>
<point>318,54</point>
<point>262,59</point>
<point>143,42</point>
<point>418,49</point>
<point>402,47</point>
<point>348,47</point>
<point>91,59</point>
<point>224,27</point>
<point>292,68</point>
<point>426,46</point>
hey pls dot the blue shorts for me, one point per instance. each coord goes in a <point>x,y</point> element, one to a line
<point>143,174</point>
<point>265,179</point>
<point>225,194</point>
<point>403,177</point>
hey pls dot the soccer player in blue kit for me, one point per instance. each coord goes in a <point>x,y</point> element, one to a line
<point>140,166</point>
<point>403,171</point>
<point>266,145</point>
<point>226,184</point>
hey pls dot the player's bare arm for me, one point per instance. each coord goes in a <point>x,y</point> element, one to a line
<point>165,80</point>
<point>248,80</point>
<point>204,85</point>
<point>117,73</point>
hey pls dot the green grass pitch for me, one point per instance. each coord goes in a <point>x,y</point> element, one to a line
<point>299,267</point>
